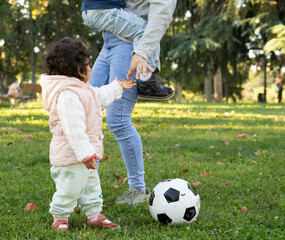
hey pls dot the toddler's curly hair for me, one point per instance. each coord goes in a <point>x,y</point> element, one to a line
<point>66,57</point>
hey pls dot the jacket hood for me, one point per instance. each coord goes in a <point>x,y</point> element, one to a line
<point>52,85</point>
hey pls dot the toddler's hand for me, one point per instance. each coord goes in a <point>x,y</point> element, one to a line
<point>126,84</point>
<point>91,164</point>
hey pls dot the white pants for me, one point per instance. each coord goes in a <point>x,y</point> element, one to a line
<point>75,184</point>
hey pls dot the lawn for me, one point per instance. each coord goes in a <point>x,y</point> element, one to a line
<point>233,154</point>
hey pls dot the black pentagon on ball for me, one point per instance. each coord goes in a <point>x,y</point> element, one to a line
<point>172,195</point>
<point>168,180</point>
<point>192,189</point>
<point>151,197</point>
<point>163,218</point>
<point>189,213</point>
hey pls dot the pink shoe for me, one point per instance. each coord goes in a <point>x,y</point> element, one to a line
<point>102,222</point>
<point>61,225</point>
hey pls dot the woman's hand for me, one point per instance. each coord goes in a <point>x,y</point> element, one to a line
<point>139,63</point>
<point>126,84</point>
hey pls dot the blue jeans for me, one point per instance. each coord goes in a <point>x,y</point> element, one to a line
<point>121,22</point>
<point>114,61</point>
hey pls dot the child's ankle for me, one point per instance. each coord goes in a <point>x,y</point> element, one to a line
<point>55,219</point>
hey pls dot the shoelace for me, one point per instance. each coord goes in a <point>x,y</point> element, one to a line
<point>155,83</point>
<point>128,193</point>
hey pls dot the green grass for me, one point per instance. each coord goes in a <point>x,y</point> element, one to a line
<point>178,138</point>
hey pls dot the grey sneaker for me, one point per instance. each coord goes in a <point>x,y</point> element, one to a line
<point>133,196</point>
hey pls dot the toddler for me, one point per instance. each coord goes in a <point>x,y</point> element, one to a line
<point>75,122</point>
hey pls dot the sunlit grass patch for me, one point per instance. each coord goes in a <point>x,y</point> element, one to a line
<point>240,147</point>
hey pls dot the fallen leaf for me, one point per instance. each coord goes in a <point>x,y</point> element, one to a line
<point>216,230</point>
<point>241,135</point>
<point>115,175</point>
<point>28,139</point>
<point>254,135</point>
<point>185,170</point>
<point>137,120</point>
<point>105,158</point>
<point>161,170</point>
<point>218,153</point>
<point>227,185</point>
<point>77,211</point>
<point>9,143</point>
<point>244,210</point>
<point>253,161</point>
<point>276,126</point>
<point>211,147</point>
<point>272,205</point>
<point>196,182</point>
<point>257,153</point>
<point>205,174</point>
<point>30,207</point>
<point>145,154</point>
<point>146,138</point>
<point>177,145</point>
<point>226,142</point>
<point>176,154</point>
<point>18,168</point>
<point>219,163</point>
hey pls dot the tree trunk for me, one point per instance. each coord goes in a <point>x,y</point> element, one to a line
<point>179,91</point>
<point>31,38</point>
<point>218,86</point>
<point>208,81</point>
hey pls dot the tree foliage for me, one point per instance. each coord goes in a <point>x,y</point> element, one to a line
<point>204,37</point>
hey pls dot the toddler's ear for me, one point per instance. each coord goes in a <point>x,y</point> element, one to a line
<point>80,71</point>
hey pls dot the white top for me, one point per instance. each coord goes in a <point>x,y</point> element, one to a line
<point>72,116</point>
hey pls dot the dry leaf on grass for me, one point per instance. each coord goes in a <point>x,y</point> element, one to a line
<point>241,135</point>
<point>104,159</point>
<point>28,139</point>
<point>227,185</point>
<point>18,168</point>
<point>244,210</point>
<point>272,205</point>
<point>205,174</point>
<point>227,142</point>
<point>196,182</point>
<point>145,154</point>
<point>31,207</point>
<point>219,163</point>
<point>185,170</point>
<point>176,154</point>
<point>211,147</point>
<point>177,145</point>
<point>77,211</point>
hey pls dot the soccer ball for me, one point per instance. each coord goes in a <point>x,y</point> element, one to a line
<point>174,201</point>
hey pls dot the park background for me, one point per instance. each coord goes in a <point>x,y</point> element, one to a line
<point>218,55</point>
<point>213,50</point>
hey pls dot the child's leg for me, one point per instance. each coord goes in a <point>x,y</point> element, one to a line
<point>91,202</point>
<point>91,199</point>
<point>70,184</point>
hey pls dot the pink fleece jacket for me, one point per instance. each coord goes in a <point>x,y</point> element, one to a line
<point>61,153</point>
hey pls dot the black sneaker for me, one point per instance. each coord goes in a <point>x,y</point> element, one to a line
<point>154,90</point>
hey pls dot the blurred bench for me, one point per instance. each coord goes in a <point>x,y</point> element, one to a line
<point>29,92</point>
